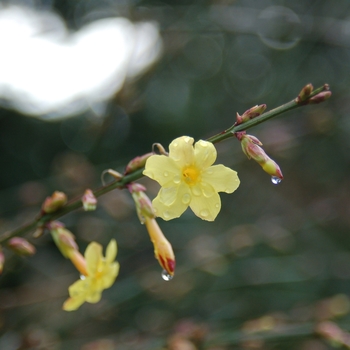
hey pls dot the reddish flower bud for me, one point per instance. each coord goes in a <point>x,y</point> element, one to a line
<point>21,246</point>
<point>250,146</point>
<point>322,96</point>
<point>143,204</point>
<point>250,113</point>
<point>55,202</point>
<point>163,250</point>
<point>89,200</point>
<point>63,238</point>
<point>137,163</point>
<point>2,260</point>
<point>304,93</point>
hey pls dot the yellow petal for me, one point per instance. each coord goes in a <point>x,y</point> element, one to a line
<point>221,178</point>
<point>111,251</point>
<point>93,256</point>
<point>110,277</point>
<point>206,208</point>
<point>79,287</point>
<point>72,304</point>
<point>161,169</point>
<point>175,210</point>
<point>205,154</point>
<point>94,296</point>
<point>168,195</point>
<point>181,150</point>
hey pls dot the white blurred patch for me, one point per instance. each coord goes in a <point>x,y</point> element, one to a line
<point>47,71</point>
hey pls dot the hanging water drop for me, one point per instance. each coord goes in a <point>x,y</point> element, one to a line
<point>166,173</point>
<point>275,180</point>
<point>166,276</point>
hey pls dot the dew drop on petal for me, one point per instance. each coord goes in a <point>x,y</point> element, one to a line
<point>186,198</point>
<point>166,215</point>
<point>175,144</point>
<point>177,179</point>
<point>82,277</point>
<point>275,180</point>
<point>166,276</point>
<point>209,172</point>
<point>217,205</point>
<point>204,213</point>
<point>196,191</point>
<point>166,173</point>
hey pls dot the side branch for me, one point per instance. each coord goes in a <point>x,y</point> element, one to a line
<point>306,96</point>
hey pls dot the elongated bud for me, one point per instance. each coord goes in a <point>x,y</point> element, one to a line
<point>63,238</point>
<point>305,93</point>
<point>21,246</point>
<point>89,200</point>
<point>143,204</point>
<point>332,332</point>
<point>65,242</point>
<point>251,148</point>
<point>250,113</point>
<point>137,163</point>
<point>2,260</point>
<point>322,96</point>
<point>163,250</point>
<point>55,202</point>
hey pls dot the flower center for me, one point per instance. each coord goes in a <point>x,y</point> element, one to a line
<point>190,175</point>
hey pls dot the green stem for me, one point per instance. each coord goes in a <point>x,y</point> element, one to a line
<point>77,203</point>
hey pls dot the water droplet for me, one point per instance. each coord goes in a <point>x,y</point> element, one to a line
<point>175,144</point>
<point>166,276</point>
<point>196,191</point>
<point>166,215</point>
<point>82,277</point>
<point>186,198</point>
<point>177,179</point>
<point>166,173</point>
<point>217,205</point>
<point>204,213</point>
<point>275,180</point>
<point>209,172</point>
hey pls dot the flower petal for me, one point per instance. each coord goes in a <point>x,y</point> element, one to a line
<point>111,251</point>
<point>94,296</point>
<point>161,169</point>
<point>177,207</point>
<point>221,178</point>
<point>111,275</point>
<point>72,304</point>
<point>206,208</point>
<point>181,150</point>
<point>205,154</point>
<point>93,256</point>
<point>168,195</point>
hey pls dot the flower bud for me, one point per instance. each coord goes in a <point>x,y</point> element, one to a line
<point>163,250</point>
<point>251,148</point>
<point>89,200</point>
<point>21,246</point>
<point>304,93</point>
<point>137,163</point>
<point>65,242</point>
<point>2,260</point>
<point>63,238</point>
<point>143,204</point>
<point>322,96</point>
<point>250,113</point>
<point>55,202</point>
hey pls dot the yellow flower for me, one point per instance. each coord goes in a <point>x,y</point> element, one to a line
<point>188,178</point>
<point>101,274</point>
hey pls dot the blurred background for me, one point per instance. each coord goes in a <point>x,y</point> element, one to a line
<point>87,85</point>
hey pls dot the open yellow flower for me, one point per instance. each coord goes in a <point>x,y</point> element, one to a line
<point>188,178</point>
<point>101,274</point>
